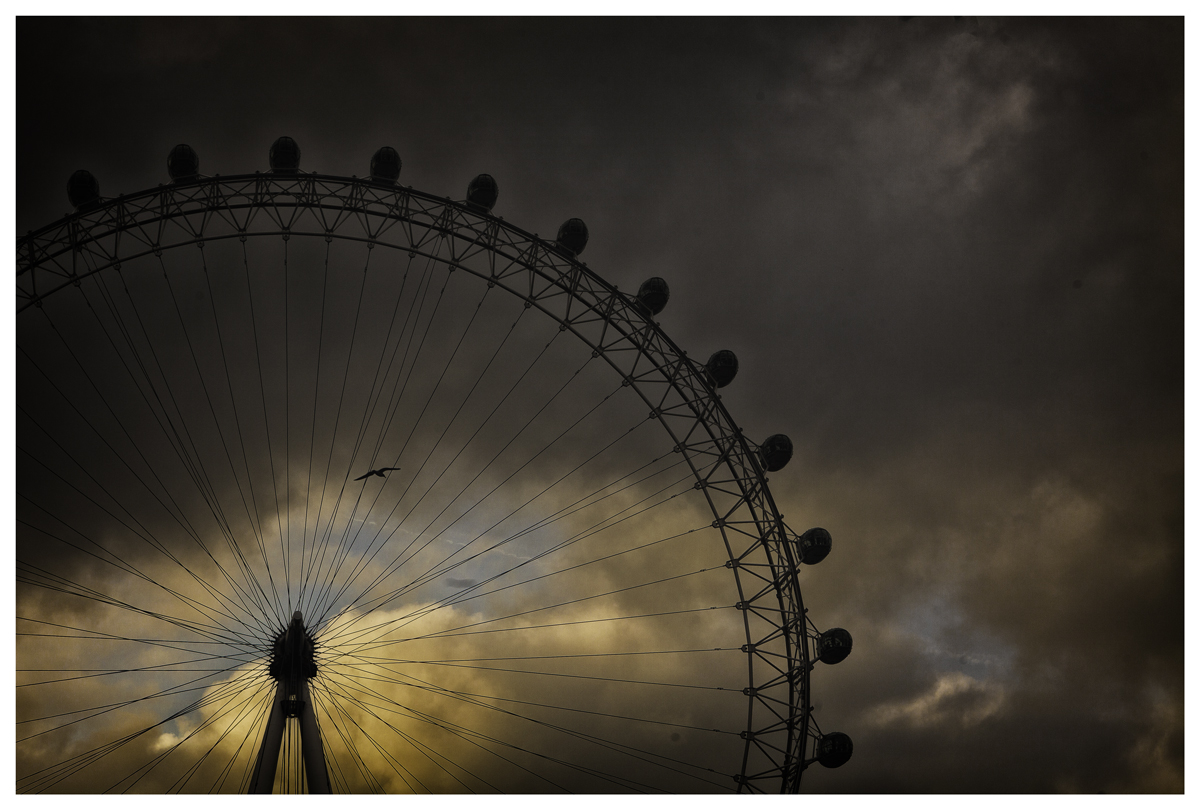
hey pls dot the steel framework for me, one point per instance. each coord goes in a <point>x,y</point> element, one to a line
<point>764,554</point>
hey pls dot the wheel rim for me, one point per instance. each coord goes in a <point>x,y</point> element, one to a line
<point>453,236</point>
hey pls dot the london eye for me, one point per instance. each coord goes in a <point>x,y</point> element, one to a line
<point>328,484</point>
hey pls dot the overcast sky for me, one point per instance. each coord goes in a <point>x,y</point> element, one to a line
<point>947,252</point>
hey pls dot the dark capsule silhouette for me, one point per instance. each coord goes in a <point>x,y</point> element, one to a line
<point>385,165</point>
<point>83,189</point>
<point>654,294</point>
<point>722,367</point>
<point>834,645</point>
<point>183,163</point>
<point>815,545</point>
<point>285,155</point>
<point>482,192</point>
<point>573,236</point>
<point>776,452</point>
<point>834,749</point>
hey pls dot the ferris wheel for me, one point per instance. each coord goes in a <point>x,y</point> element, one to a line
<point>329,484</point>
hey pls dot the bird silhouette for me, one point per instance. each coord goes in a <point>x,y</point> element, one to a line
<point>380,472</point>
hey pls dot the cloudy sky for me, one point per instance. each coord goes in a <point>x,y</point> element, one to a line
<point>947,252</point>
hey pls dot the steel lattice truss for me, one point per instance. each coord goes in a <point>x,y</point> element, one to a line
<point>763,553</point>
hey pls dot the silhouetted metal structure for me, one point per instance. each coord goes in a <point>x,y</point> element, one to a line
<point>292,665</point>
<point>764,555</point>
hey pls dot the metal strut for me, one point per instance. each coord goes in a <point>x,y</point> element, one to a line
<point>292,665</point>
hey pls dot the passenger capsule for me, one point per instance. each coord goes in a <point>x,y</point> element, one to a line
<point>834,749</point>
<point>834,645</point>
<point>83,189</point>
<point>385,165</point>
<point>654,294</point>
<point>776,452</point>
<point>183,163</point>
<point>285,155</point>
<point>722,367</point>
<point>573,236</point>
<point>815,545</point>
<point>482,192</point>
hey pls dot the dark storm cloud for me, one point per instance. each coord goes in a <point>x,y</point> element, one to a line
<point>947,252</point>
<point>1006,428</point>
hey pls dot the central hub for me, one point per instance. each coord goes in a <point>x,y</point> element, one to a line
<point>293,657</point>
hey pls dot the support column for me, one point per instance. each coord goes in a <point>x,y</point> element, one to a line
<point>310,741</point>
<point>292,664</point>
<point>268,753</point>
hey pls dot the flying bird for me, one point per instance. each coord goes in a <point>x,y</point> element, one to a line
<point>380,472</point>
